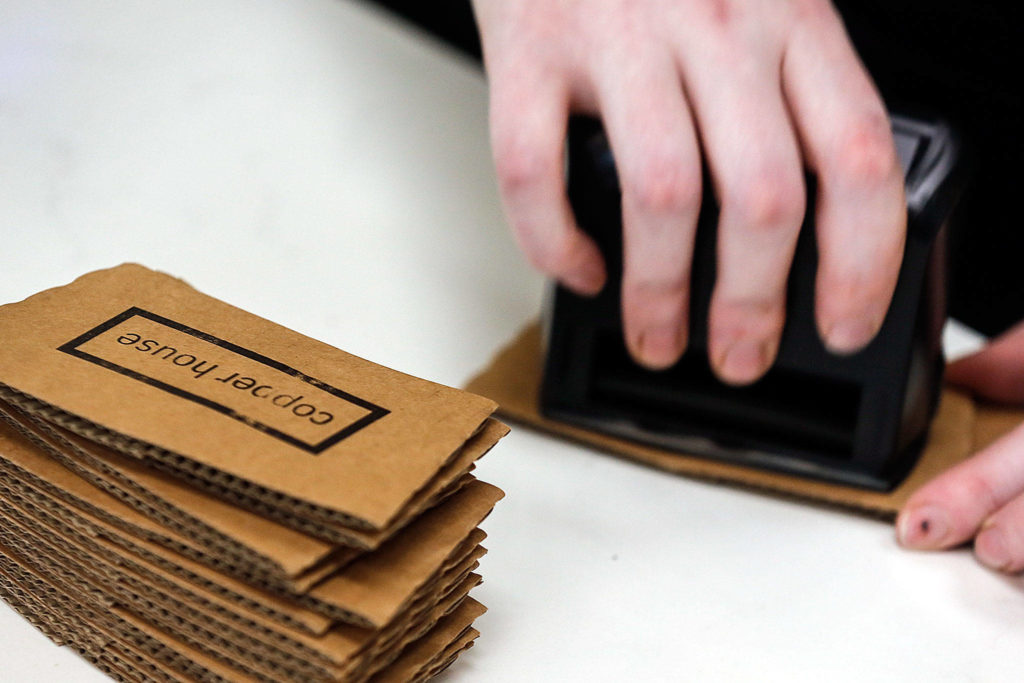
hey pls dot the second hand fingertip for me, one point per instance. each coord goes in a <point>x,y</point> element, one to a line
<point>990,548</point>
<point>923,528</point>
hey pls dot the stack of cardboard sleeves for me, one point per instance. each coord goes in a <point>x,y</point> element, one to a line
<point>190,492</point>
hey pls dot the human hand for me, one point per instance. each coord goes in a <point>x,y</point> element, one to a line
<point>981,498</point>
<point>761,88</point>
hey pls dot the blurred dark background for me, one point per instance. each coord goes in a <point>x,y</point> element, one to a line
<point>956,59</point>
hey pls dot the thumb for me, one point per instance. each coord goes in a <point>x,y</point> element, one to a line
<point>997,371</point>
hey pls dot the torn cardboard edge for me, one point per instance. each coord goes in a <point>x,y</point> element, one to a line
<point>417,660</point>
<point>128,589</point>
<point>961,425</point>
<point>149,559</point>
<point>254,665</point>
<point>53,603</point>
<point>216,524</point>
<point>435,531</point>
<point>161,649</point>
<point>67,487</point>
<point>161,609</point>
<point>356,640</point>
<point>367,592</point>
<point>290,558</point>
<point>332,648</point>
<point>226,643</point>
<point>203,640</point>
<point>281,509</point>
<point>121,348</point>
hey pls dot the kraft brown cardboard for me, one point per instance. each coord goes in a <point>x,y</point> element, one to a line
<point>69,628</point>
<point>145,363</point>
<point>299,560</point>
<point>513,380</point>
<point>55,596</point>
<point>66,486</point>
<point>453,651</point>
<point>445,482</point>
<point>111,540</point>
<point>128,626</point>
<point>122,659</point>
<point>32,599</point>
<point>209,633</point>
<point>277,548</point>
<point>371,653</point>
<point>380,584</point>
<point>69,576</point>
<point>170,652</point>
<point>228,646</point>
<point>993,421</point>
<point>336,647</point>
<point>416,660</point>
<point>368,592</point>
<point>160,566</point>
<point>190,604</point>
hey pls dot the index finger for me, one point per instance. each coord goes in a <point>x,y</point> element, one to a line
<point>529,115</point>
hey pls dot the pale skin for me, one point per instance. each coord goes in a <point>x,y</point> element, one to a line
<point>983,497</point>
<point>758,90</point>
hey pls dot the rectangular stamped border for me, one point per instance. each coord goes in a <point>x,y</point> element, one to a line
<point>376,411</point>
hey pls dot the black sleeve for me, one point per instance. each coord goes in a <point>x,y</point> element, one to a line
<point>961,60</point>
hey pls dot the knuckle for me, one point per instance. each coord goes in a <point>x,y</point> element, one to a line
<point>860,272</point>
<point>651,285</point>
<point>520,165</point>
<point>549,253</point>
<point>664,184</point>
<point>865,154</point>
<point>721,12</point>
<point>768,202</point>
<point>976,491</point>
<point>759,315</point>
<point>520,168</point>
<point>654,299</point>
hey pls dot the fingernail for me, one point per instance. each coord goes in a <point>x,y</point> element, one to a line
<point>660,346</point>
<point>852,334</point>
<point>923,528</point>
<point>990,548</point>
<point>744,361</point>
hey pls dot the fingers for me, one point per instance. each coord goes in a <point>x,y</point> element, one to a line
<point>971,496</point>
<point>1000,543</point>
<point>755,162</point>
<point>529,111</point>
<point>658,161</point>
<point>997,371</point>
<point>861,211</point>
<point>730,63</point>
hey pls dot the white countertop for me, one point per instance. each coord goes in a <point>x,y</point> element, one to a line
<point>327,168</point>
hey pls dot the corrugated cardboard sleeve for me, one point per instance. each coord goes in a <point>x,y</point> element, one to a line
<point>367,440</point>
<point>960,427</point>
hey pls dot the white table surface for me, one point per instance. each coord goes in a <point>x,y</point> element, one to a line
<point>327,168</point>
